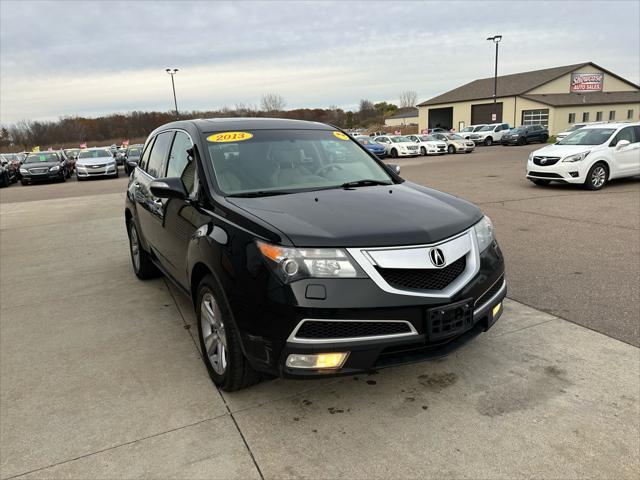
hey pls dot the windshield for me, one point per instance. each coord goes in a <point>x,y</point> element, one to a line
<point>94,154</point>
<point>487,128</point>
<point>42,157</point>
<point>588,136</point>
<point>288,161</point>
<point>133,152</point>
<point>400,139</point>
<point>10,157</point>
<point>72,151</point>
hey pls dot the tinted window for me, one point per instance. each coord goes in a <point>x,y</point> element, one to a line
<point>588,136</point>
<point>626,133</point>
<point>179,162</point>
<point>145,158</point>
<point>158,154</point>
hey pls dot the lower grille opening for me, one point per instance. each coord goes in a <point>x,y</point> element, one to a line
<point>423,278</point>
<point>318,329</point>
<point>545,174</point>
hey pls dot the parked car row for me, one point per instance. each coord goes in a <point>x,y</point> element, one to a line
<point>414,145</point>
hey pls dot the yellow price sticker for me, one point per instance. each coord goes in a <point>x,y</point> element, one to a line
<point>340,135</point>
<point>229,137</point>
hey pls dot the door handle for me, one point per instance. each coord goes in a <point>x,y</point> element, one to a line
<point>136,185</point>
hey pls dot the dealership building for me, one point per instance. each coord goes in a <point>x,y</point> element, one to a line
<point>555,97</point>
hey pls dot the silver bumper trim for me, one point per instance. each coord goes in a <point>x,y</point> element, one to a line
<point>483,307</point>
<point>293,338</point>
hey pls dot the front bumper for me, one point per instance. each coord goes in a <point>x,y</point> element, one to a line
<point>101,171</point>
<point>270,328</point>
<point>568,172</point>
<point>42,177</point>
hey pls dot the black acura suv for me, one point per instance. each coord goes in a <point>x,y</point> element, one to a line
<point>304,254</point>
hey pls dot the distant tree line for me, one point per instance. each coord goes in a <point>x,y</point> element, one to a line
<point>74,130</point>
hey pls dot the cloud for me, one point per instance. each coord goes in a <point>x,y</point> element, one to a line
<point>64,58</point>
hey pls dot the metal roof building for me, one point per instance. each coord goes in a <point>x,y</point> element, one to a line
<point>555,97</point>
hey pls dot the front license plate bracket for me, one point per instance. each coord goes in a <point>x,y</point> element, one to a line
<point>449,320</point>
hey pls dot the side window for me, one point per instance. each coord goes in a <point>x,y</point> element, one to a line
<point>145,157</point>
<point>637,131</point>
<point>179,164</point>
<point>505,126</point>
<point>626,133</point>
<point>158,155</point>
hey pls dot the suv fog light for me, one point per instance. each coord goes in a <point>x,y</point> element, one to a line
<point>321,360</point>
<point>497,308</point>
<point>574,174</point>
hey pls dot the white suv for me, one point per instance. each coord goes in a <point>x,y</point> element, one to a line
<point>467,131</point>
<point>490,134</point>
<point>398,146</point>
<point>592,156</point>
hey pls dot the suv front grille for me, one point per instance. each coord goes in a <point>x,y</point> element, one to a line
<point>423,278</point>
<point>320,329</point>
<point>547,161</point>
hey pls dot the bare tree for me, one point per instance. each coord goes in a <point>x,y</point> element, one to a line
<point>408,98</point>
<point>272,102</point>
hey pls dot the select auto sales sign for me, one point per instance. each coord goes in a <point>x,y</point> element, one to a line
<point>586,82</point>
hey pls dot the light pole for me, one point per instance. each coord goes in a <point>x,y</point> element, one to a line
<point>172,72</point>
<point>495,39</point>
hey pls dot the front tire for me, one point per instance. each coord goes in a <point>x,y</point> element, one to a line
<point>597,176</point>
<point>488,141</point>
<point>220,340</point>
<point>451,149</point>
<point>5,180</point>
<point>143,267</point>
<point>522,141</point>
<point>394,153</point>
<point>423,151</point>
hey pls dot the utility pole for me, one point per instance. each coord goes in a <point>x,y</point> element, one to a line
<point>495,39</point>
<point>172,72</point>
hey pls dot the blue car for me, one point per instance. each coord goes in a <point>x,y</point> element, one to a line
<point>375,148</point>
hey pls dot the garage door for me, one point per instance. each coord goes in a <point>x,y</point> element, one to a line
<point>536,117</point>
<point>481,113</point>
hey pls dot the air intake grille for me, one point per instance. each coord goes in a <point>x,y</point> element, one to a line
<point>423,278</point>
<point>545,161</point>
<point>318,329</point>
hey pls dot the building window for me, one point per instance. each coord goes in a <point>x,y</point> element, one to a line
<point>612,115</point>
<point>598,116</point>
<point>572,118</point>
<point>536,117</point>
<point>630,114</point>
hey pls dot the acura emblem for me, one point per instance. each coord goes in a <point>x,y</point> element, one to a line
<point>437,257</point>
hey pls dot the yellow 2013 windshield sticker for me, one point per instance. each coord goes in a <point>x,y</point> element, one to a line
<point>229,137</point>
<point>340,135</point>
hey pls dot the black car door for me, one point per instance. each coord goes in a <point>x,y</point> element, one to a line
<point>181,217</point>
<point>150,208</point>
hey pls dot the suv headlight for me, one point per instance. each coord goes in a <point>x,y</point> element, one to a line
<point>54,168</point>
<point>577,157</point>
<point>291,264</point>
<point>24,171</point>
<point>484,233</point>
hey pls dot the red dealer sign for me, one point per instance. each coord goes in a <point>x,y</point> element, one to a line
<point>586,82</point>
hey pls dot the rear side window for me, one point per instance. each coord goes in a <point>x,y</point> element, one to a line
<point>158,155</point>
<point>145,158</point>
<point>179,164</point>
<point>627,133</point>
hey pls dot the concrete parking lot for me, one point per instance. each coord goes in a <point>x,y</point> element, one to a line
<point>100,375</point>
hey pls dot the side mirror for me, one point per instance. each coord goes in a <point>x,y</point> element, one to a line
<point>169,188</point>
<point>622,144</point>
<point>394,168</point>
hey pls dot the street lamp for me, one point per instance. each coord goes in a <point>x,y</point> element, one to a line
<point>495,39</point>
<point>172,72</point>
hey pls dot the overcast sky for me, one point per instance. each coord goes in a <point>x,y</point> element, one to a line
<point>90,58</point>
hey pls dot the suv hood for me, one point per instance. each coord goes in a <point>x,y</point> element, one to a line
<point>364,216</point>
<point>563,150</point>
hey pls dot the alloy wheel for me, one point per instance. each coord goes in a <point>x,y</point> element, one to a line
<point>213,333</point>
<point>135,247</point>
<point>598,176</point>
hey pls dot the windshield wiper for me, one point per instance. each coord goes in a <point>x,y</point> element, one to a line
<point>364,183</point>
<point>261,193</point>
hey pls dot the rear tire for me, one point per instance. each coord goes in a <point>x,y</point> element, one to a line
<point>4,182</point>
<point>545,139</point>
<point>597,177</point>
<point>522,141</point>
<point>143,267</point>
<point>488,141</point>
<point>541,183</point>
<point>220,340</point>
